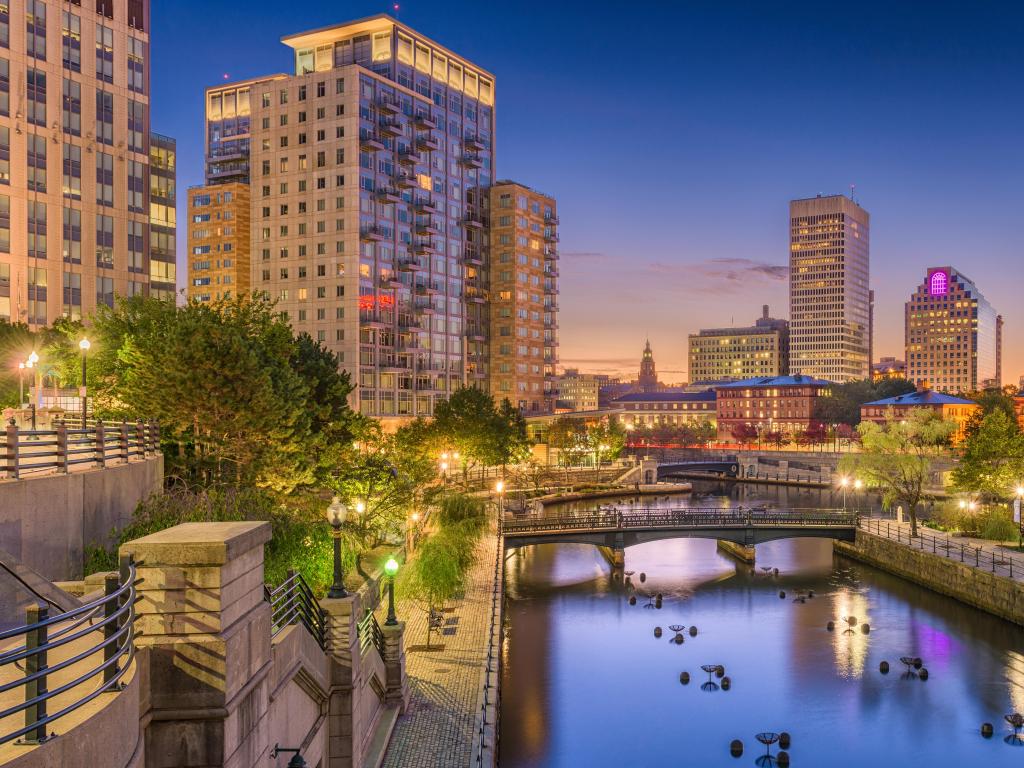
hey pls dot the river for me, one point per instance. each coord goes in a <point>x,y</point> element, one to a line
<point>586,683</point>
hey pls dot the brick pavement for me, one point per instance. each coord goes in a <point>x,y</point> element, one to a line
<point>437,729</point>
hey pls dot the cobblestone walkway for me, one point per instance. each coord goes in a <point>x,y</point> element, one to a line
<point>437,729</point>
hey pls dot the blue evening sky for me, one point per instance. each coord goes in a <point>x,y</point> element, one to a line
<point>674,133</point>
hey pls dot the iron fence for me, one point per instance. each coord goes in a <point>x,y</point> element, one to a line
<point>293,602</point>
<point>69,445</point>
<point>487,721</point>
<point>370,633</point>
<point>654,517</point>
<point>998,562</point>
<point>44,645</point>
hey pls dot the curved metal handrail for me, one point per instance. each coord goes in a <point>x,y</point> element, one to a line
<point>293,602</point>
<point>117,641</point>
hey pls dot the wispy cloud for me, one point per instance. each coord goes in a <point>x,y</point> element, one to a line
<point>718,276</point>
<point>739,270</point>
<point>585,255</point>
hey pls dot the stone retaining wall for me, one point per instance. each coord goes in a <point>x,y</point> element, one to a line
<point>997,595</point>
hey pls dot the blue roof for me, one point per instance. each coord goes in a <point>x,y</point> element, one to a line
<point>778,381</point>
<point>924,397</point>
<point>666,397</point>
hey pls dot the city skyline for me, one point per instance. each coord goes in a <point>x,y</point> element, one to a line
<point>717,224</point>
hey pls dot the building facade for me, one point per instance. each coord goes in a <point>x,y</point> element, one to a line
<point>369,170</point>
<point>523,306</point>
<point>722,354</point>
<point>163,227</point>
<point>889,368</point>
<point>76,224</point>
<point>950,408</point>
<point>953,335</point>
<point>219,255</point>
<point>782,404</point>
<point>829,295</point>
<point>579,391</point>
<point>641,410</point>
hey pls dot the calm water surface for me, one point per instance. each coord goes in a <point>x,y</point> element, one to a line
<point>585,683</point>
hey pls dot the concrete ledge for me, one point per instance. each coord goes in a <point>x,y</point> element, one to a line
<point>739,551</point>
<point>198,543</point>
<point>997,595</point>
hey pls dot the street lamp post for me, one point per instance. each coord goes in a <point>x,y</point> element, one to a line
<point>499,488</point>
<point>21,383</point>
<point>391,568</point>
<point>337,513</point>
<point>33,359</point>
<point>844,483</point>
<point>84,346</point>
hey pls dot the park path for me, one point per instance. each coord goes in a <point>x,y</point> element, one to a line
<point>437,729</point>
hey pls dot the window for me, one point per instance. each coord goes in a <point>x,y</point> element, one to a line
<point>5,224</point>
<point>104,179</point>
<point>71,239</point>
<point>104,241</point>
<point>136,65</point>
<point>105,291</point>
<point>5,87</point>
<point>72,181</point>
<point>135,247</point>
<point>5,24</point>
<point>5,155</point>
<point>136,186</point>
<point>136,125</point>
<point>71,41</point>
<point>71,108</point>
<point>35,29</point>
<point>36,229</point>
<point>35,86</point>
<point>36,146</point>
<point>104,53</point>
<point>104,117</point>
<point>72,295</point>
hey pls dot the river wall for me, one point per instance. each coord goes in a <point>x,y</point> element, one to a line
<point>997,595</point>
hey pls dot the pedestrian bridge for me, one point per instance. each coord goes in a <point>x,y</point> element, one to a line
<point>624,528</point>
<point>728,466</point>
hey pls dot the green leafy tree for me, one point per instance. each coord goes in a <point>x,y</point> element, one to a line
<point>609,434</point>
<point>842,404</point>
<point>992,460</point>
<point>469,422</point>
<point>895,456</point>
<point>991,400</point>
<point>568,437</point>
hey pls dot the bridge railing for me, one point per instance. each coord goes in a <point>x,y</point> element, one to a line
<point>998,562</point>
<point>655,517</point>
<point>69,446</point>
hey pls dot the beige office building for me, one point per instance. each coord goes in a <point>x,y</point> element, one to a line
<point>75,223</point>
<point>368,172</point>
<point>829,297</point>
<point>523,297</point>
<point>218,241</point>
<point>724,354</point>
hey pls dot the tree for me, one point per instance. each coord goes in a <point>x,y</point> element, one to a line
<point>469,422</point>
<point>609,434</point>
<point>991,400</point>
<point>703,432</point>
<point>744,433</point>
<point>842,404</point>
<point>894,457</point>
<point>568,437</point>
<point>992,463</point>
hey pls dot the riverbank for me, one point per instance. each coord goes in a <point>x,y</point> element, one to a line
<point>658,489</point>
<point>996,594</point>
<point>446,683</point>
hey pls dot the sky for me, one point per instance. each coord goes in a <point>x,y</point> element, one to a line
<point>673,135</point>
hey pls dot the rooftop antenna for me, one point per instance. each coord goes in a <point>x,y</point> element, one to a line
<point>853,188</point>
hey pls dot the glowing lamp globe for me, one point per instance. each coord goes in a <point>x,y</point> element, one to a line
<point>337,512</point>
<point>391,567</point>
<point>84,345</point>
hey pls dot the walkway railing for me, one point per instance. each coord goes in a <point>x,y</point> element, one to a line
<point>644,518</point>
<point>29,452</point>
<point>370,633</point>
<point>293,602</point>
<point>487,720</point>
<point>997,562</point>
<point>50,644</point>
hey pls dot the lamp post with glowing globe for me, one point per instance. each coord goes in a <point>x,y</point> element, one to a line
<point>391,568</point>
<point>84,345</point>
<point>337,514</point>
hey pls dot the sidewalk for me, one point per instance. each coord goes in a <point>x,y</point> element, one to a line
<point>987,555</point>
<point>437,729</point>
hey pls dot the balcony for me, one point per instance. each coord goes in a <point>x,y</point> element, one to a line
<point>551,237</point>
<point>390,284</point>
<point>472,259</point>
<point>471,161</point>
<point>550,254</point>
<point>427,205</point>
<point>371,142</point>
<point>376,319</point>
<point>551,290</point>
<point>406,181</point>
<point>426,228</point>
<point>552,307</point>
<point>475,333</point>
<point>410,265</point>
<point>551,219</point>
<point>473,222</point>
<point>424,248</point>
<point>424,307</point>
<point>408,323</point>
<point>550,271</point>
<point>474,144</point>
<point>425,122</point>
<point>388,195</point>
<point>551,323</point>
<point>426,290</point>
<point>389,106</point>
<point>409,157</point>
<point>372,234</point>
<point>475,296</point>
<point>428,144</point>
<point>392,128</point>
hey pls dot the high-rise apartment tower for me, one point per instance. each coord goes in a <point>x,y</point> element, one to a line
<point>78,223</point>
<point>829,294</point>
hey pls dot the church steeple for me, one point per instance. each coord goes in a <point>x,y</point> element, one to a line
<point>648,380</point>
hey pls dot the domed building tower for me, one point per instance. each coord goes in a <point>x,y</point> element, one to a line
<point>648,381</point>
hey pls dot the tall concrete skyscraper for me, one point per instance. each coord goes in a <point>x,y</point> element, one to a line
<point>368,172</point>
<point>78,222</point>
<point>829,294</point>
